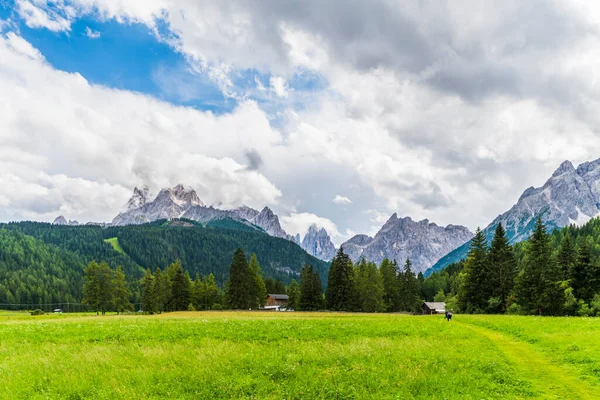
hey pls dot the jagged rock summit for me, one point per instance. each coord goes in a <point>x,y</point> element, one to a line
<point>183,202</point>
<point>570,196</point>
<point>61,220</point>
<point>422,242</point>
<point>169,203</point>
<point>317,243</point>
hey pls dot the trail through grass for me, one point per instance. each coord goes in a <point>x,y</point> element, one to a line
<point>551,381</point>
<point>114,242</point>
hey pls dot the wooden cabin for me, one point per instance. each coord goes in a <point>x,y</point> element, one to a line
<point>434,307</point>
<point>277,300</point>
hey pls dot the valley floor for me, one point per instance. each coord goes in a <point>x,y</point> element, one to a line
<point>210,355</point>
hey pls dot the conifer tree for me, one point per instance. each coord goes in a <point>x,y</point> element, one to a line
<point>410,299</point>
<point>239,285</point>
<point>311,291</point>
<point>211,291</point>
<point>162,291</point>
<point>258,289</point>
<point>474,291</point>
<point>538,285</point>
<point>121,292</point>
<point>149,302</point>
<point>389,277</point>
<point>180,287</point>
<point>293,291</point>
<point>341,292</point>
<point>582,273</point>
<point>503,269</point>
<point>369,285</point>
<point>98,287</point>
<point>91,291</point>
<point>566,256</point>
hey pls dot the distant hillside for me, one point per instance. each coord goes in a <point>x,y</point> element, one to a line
<point>52,253</point>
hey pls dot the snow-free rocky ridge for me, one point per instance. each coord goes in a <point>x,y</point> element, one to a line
<point>570,196</point>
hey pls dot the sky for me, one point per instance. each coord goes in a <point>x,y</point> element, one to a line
<point>337,112</point>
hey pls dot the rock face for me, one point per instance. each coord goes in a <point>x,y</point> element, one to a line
<point>182,202</point>
<point>401,238</point>
<point>569,196</point>
<point>60,220</point>
<point>356,245</point>
<point>268,221</point>
<point>317,243</point>
<point>139,198</point>
<point>170,203</point>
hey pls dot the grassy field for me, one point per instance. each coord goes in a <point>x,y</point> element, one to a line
<point>297,356</point>
<point>114,242</point>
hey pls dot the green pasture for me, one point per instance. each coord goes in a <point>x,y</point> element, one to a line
<point>254,355</point>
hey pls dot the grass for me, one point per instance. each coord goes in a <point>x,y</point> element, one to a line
<point>114,242</point>
<point>206,355</point>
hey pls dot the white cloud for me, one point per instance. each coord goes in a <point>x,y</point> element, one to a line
<point>91,33</point>
<point>341,200</point>
<point>450,123</point>
<point>39,14</point>
<point>64,147</point>
<point>279,86</point>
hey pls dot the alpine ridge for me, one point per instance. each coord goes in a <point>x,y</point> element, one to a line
<point>183,202</point>
<point>570,196</point>
<point>422,242</point>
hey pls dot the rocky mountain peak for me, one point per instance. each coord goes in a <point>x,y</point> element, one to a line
<point>317,243</point>
<point>569,196</point>
<point>139,198</point>
<point>423,242</point>
<point>566,167</point>
<point>60,220</point>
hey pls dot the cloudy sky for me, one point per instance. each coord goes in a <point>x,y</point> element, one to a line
<point>339,112</point>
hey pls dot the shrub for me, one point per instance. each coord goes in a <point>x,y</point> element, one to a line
<point>37,312</point>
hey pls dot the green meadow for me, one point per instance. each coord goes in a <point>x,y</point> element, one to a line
<point>254,355</point>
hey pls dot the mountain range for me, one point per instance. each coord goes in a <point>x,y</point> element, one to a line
<point>570,196</point>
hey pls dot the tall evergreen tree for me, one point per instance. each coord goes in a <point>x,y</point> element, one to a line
<point>162,290</point>
<point>369,285</point>
<point>341,292</point>
<point>293,292</point>
<point>211,292</point>
<point>121,292</point>
<point>98,287</point>
<point>239,286</point>
<point>410,299</point>
<point>389,277</point>
<point>474,292</point>
<point>503,270</point>
<point>180,287</point>
<point>149,300</point>
<point>539,283</point>
<point>582,273</point>
<point>311,291</point>
<point>567,255</point>
<point>258,288</point>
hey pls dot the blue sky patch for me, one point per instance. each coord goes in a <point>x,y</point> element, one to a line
<point>128,56</point>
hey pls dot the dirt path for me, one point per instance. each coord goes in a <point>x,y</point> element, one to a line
<point>549,380</point>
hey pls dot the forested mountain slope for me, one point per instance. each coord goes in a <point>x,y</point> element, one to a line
<point>34,255</point>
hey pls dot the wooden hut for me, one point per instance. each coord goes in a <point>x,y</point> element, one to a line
<point>434,307</point>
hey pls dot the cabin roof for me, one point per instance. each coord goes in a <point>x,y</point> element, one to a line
<point>279,296</point>
<point>435,305</point>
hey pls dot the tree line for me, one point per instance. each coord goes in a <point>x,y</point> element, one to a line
<point>554,273</point>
